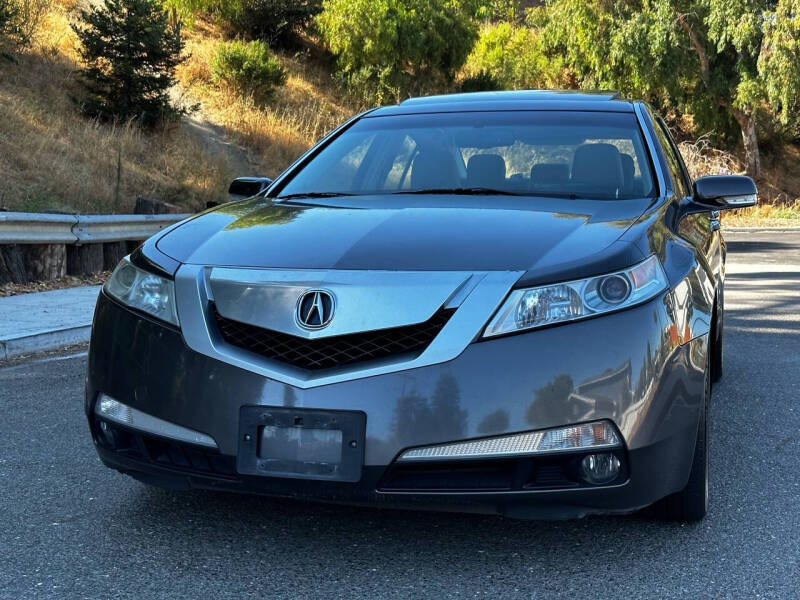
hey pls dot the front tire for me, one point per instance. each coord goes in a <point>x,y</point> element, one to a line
<point>691,503</point>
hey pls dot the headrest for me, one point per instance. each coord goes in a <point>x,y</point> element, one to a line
<point>486,170</point>
<point>598,165</point>
<point>434,168</point>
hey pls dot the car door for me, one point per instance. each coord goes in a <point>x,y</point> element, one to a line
<point>700,229</point>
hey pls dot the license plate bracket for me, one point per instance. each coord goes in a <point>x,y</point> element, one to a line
<point>301,443</point>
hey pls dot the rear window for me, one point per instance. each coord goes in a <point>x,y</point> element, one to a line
<point>599,155</point>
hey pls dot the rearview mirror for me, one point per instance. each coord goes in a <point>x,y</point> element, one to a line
<point>725,191</point>
<point>245,187</point>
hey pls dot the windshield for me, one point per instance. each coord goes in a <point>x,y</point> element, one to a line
<point>570,154</point>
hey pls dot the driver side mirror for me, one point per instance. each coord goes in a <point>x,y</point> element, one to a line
<point>245,187</point>
<point>717,192</point>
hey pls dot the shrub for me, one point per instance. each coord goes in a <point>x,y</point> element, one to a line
<point>271,20</point>
<point>482,81</point>
<point>248,66</point>
<point>389,49</point>
<point>130,52</point>
<point>511,55</point>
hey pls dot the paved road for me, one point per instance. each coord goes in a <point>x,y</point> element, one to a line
<point>70,528</point>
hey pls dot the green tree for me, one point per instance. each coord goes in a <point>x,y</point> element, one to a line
<point>8,14</point>
<point>130,53</point>
<point>513,56</point>
<point>389,49</point>
<point>272,20</point>
<point>722,61</point>
<point>492,10</point>
<point>186,10</point>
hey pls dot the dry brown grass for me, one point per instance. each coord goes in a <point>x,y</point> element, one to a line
<point>765,215</point>
<point>52,158</point>
<point>279,130</point>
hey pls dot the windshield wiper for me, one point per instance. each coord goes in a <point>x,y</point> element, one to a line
<point>315,195</point>
<point>464,191</point>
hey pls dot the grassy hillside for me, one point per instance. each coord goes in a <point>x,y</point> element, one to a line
<point>277,131</point>
<point>53,159</point>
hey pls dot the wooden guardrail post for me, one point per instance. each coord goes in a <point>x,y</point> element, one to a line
<point>12,265</point>
<point>44,262</point>
<point>84,259</point>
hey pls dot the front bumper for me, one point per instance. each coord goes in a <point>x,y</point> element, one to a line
<point>647,384</point>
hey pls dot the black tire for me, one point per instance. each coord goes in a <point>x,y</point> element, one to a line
<point>691,503</point>
<point>717,329</point>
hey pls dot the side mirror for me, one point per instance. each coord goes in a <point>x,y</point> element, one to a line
<point>245,187</point>
<point>725,191</point>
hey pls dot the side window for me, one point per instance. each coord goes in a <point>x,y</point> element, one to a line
<point>674,163</point>
<point>342,167</point>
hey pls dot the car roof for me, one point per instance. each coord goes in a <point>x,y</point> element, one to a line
<point>608,101</point>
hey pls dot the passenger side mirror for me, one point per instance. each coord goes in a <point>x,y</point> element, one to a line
<point>245,187</point>
<point>725,191</point>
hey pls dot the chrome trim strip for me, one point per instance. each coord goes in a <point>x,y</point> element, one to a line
<point>201,335</point>
<point>364,300</point>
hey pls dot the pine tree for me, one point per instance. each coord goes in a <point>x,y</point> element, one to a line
<point>8,28</point>
<point>130,53</point>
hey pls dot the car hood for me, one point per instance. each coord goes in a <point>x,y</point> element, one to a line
<point>408,233</point>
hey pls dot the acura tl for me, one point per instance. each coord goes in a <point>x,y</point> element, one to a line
<point>507,303</point>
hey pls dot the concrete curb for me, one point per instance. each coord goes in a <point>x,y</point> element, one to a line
<point>46,321</point>
<point>787,229</point>
<point>43,341</point>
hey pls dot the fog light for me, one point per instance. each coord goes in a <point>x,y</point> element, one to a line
<point>599,434</point>
<point>108,434</point>
<point>117,412</point>
<point>600,468</point>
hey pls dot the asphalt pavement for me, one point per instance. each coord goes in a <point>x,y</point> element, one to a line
<point>70,528</point>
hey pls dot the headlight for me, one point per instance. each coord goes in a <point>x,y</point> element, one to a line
<point>143,291</point>
<point>562,302</point>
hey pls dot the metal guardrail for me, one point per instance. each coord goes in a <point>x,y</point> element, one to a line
<point>33,228</point>
<point>37,228</point>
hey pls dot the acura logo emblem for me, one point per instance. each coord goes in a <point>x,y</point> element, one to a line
<point>315,309</point>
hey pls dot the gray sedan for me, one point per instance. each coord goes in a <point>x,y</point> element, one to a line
<point>497,302</point>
